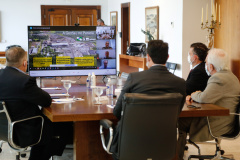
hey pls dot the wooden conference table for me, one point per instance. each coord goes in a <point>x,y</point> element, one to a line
<point>86,116</point>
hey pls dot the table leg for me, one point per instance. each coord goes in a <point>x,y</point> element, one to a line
<point>87,142</point>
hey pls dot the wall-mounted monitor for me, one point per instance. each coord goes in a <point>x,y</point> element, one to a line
<point>71,50</point>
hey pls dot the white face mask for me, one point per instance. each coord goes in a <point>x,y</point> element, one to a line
<point>208,73</point>
<point>147,64</point>
<point>189,59</point>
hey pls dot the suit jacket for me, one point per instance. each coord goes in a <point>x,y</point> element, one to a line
<point>223,90</point>
<point>22,97</point>
<point>197,79</point>
<point>156,80</point>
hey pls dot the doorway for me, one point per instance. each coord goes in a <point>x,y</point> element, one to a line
<point>125,26</point>
<point>70,15</point>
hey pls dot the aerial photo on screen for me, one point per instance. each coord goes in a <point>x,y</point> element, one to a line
<point>49,48</point>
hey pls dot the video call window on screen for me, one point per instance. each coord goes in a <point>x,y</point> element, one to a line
<point>71,50</point>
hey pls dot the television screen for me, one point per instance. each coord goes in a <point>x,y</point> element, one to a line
<point>71,50</point>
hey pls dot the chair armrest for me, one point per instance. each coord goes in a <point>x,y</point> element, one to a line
<point>11,129</point>
<point>106,123</point>
<point>235,114</point>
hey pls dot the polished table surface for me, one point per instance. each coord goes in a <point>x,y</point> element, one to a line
<point>86,116</point>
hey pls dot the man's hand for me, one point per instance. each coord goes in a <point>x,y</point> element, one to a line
<point>195,92</point>
<point>188,98</point>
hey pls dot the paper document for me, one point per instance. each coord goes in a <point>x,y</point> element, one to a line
<point>57,88</point>
<point>63,94</point>
<point>102,98</point>
<point>110,106</point>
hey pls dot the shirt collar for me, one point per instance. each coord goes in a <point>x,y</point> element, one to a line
<point>18,70</point>
<point>195,66</point>
<point>158,65</point>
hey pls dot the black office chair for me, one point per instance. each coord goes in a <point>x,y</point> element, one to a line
<point>231,136</point>
<point>148,129</point>
<point>171,67</point>
<point>9,130</point>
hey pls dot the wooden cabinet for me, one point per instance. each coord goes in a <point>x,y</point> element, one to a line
<point>69,15</point>
<point>130,64</point>
<point>2,54</point>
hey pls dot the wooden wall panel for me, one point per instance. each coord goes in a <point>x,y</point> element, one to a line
<point>228,37</point>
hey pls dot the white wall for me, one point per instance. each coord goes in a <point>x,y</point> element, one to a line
<point>169,11</point>
<point>186,18</point>
<point>16,15</point>
<point>192,32</point>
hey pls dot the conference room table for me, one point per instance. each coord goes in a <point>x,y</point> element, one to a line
<point>85,116</point>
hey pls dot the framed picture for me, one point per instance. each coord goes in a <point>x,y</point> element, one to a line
<point>113,19</point>
<point>152,22</point>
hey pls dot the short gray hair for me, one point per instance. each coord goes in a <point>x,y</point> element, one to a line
<point>218,58</point>
<point>100,20</point>
<point>15,56</point>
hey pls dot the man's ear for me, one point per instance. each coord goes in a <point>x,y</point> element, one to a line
<point>148,58</point>
<point>211,67</point>
<point>24,63</point>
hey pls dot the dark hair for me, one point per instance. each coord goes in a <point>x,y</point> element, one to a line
<point>200,50</point>
<point>158,51</point>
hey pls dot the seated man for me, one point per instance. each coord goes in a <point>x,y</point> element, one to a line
<point>156,80</point>
<point>107,55</point>
<point>100,22</point>
<point>15,84</point>
<point>197,78</point>
<point>107,46</point>
<point>222,89</point>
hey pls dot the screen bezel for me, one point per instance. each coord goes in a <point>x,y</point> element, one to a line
<point>85,72</point>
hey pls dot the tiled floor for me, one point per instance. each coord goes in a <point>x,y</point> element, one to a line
<point>9,154</point>
<point>230,147</point>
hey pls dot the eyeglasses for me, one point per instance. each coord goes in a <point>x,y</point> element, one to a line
<point>8,47</point>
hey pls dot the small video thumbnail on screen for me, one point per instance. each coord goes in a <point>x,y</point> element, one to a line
<point>106,32</point>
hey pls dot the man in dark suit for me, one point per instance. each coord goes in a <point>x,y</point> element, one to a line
<point>197,78</point>
<point>23,98</point>
<point>156,80</point>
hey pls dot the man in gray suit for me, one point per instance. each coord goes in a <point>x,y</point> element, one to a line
<point>223,90</point>
<point>154,81</point>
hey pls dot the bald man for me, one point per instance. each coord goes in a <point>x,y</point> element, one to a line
<point>23,98</point>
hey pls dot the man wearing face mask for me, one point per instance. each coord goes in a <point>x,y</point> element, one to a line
<point>197,78</point>
<point>223,90</point>
<point>156,80</point>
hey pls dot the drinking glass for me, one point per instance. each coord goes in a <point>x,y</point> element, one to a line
<point>67,85</point>
<point>98,90</point>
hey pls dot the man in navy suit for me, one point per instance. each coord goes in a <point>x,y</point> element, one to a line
<point>197,78</point>
<point>23,98</point>
<point>156,80</point>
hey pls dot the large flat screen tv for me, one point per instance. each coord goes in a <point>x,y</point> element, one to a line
<point>71,50</point>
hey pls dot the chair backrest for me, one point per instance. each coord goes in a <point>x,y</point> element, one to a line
<point>171,67</point>
<point>22,133</point>
<point>148,129</point>
<point>236,132</point>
